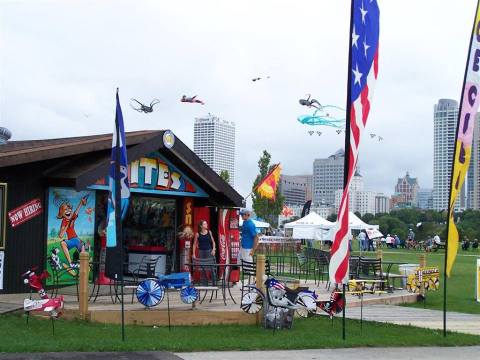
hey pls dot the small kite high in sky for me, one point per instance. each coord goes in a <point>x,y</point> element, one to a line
<point>191,100</point>
<point>259,78</point>
<point>145,108</point>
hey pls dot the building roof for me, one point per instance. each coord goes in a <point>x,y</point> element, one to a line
<point>411,181</point>
<point>81,161</point>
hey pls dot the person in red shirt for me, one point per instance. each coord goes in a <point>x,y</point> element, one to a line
<point>68,216</point>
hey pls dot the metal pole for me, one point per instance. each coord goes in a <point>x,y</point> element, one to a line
<point>347,141</point>
<point>343,313</point>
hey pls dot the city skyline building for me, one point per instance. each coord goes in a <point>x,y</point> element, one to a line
<point>382,204</point>
<point>294,189</point>
<point>444,126</point>
<point>408,186</point>
<point>360,200</point>
<point>328,177</point>
<point>425,199</point>
<point>214,143</point>
<point>474,170</point>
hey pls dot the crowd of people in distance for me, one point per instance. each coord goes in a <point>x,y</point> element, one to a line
<point>393,241</point>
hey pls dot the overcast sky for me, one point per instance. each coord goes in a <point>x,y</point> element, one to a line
<point>61,61</point>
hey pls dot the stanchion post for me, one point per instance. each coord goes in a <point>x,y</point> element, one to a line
<point>260,273</point>
<point>423,264</point>
<point>83,285</point>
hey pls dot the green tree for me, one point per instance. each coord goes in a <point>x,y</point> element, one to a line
<point>265,208</point>
<point>225,175</point>
<point>332,217</point>
<point>368,217</point>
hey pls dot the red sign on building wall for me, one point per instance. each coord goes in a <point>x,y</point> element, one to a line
<point>25,212</point>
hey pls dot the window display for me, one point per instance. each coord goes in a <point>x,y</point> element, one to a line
<point>150,222</point>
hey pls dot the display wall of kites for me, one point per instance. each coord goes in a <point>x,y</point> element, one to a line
<point>325,115</point>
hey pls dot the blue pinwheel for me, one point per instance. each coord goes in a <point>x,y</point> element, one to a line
<point>150,292</point>
<point>189,294</point>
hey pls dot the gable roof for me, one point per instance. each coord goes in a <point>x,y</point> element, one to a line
<point>81,161</point>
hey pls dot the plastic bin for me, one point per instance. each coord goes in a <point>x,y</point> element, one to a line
<point>407,269</point>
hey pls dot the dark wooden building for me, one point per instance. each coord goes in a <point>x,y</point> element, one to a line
<point>171,187</point>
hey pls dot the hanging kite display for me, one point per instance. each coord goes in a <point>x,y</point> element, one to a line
<point>191,100</point>
<point>145,108</point>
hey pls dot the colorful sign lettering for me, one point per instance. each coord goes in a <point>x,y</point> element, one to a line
<point>25,212</point>
<point>154,174</point>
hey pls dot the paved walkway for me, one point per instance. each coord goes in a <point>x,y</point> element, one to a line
<point>6,307</point>
<point>425,353</point>
<point>432,319</point>
<point>337,354</point>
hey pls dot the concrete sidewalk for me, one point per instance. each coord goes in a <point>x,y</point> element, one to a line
<point>424,353</point>
<point>425,318</point>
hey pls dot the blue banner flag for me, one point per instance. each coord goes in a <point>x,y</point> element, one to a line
<point>113,262</point>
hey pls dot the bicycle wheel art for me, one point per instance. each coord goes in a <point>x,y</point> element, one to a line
<point>252,302</point>
<point>150,293</point>
<point>189,294</point>
<point>307,305</point>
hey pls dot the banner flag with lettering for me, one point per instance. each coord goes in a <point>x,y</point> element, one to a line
<point>463,143</point>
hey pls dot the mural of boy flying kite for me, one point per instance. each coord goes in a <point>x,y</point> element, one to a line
<point>68,217</point>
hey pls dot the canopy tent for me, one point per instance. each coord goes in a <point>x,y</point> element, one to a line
<point>311,226</point>
<point>258,224</point>
<point>315,227</point>
<point>355,223</point>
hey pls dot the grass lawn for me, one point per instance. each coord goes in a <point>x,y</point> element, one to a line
<point>460,285</point>
<point>315,332</point>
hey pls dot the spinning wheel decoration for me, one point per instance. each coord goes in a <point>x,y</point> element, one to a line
<point>150,293</point>
<point>189,294</point>
<point>252,302</point>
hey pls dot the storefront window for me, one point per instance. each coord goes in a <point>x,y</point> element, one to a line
<point>150,222</point>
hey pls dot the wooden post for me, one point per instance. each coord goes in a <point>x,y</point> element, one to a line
<point>379,254</point>
<point>83,285</point>
<point>260,273</point>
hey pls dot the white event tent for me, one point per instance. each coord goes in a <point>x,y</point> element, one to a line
<point>258,224</point>
<point>311,226</point>
<point>315,227</point>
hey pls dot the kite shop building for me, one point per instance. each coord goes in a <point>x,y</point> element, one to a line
<point>53,200</point>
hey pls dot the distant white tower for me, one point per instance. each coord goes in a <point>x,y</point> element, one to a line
<point>214,143</point>
<point>444,126</point>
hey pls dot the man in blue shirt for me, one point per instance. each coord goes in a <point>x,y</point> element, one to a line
<point>249,241</point>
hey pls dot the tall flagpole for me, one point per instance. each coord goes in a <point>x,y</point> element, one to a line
<point>346,164</point>
<point>451,207</point>
<point>118,215</point>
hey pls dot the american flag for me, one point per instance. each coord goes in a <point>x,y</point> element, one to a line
<point>277,284</point>
<point>363,68</point>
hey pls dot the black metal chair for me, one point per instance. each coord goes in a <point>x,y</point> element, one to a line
<point>206,272</point>
<point>371,269</point>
